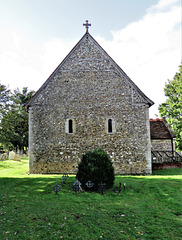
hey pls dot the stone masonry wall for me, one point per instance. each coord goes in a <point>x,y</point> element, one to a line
<point>162,145</point>
<point>89,89</point>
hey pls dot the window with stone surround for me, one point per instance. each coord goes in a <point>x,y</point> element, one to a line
<point>70,123</point>
<point>70,126</point>
<point>110,126</point>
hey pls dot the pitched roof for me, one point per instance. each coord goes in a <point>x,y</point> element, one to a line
<point>159,129</point>
<point>86,36</point>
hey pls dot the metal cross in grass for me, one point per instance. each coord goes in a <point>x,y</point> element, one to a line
<point>89,184</point>
<point>102,187</point>
<point>65,175</point>
<point>117,189</point>
<point>64,178</point>
<point>56,188</point>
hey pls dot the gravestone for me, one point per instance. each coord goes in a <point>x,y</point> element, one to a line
<point>64,178</point>
<point>12,155</point>
<point>17,157</point>
<point>77,186</point>
<point>3,156</point>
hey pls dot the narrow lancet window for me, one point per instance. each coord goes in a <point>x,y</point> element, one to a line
<point>70,126</point>
<point>109,125</point>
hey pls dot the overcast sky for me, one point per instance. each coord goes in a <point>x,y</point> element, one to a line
<point>142,36</point>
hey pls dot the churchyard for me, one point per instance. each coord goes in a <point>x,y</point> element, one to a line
<point>149,208</point>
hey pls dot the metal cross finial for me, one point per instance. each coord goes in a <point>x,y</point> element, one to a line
<point>87,25</point>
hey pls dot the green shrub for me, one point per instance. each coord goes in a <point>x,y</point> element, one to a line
<point>95,166</point>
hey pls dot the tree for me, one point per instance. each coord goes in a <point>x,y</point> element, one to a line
<point>5,100</point>
<point>14,129</point>
<point>171,110</point>
<point>14,123</point>
<point>20,98</point>
<point>96,167</point>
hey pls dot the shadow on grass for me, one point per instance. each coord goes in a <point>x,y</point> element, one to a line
<point>148,206</point>
<point>167,172</point>
<point>45,184</point>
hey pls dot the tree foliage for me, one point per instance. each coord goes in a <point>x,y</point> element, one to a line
<point>20,98</point>
<point>14,129</point>
<point>171,110</point>
<point>5,100</point>
<point>14,122</point>
<point>96,167</point>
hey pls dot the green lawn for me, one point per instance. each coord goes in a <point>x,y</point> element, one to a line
<point>150,208</point>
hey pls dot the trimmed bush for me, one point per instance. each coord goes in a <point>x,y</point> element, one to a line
<point>95,166</point>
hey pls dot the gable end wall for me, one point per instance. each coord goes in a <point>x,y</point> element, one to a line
<point>89,89</point>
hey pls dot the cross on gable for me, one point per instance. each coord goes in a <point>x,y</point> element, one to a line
<point>87,25</point>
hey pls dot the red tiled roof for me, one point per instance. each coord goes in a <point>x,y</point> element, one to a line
<point>159,129</point>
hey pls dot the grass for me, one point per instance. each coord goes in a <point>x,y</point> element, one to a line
<point>150,208</point>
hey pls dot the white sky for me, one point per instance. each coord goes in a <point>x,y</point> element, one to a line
<point>142,36</point>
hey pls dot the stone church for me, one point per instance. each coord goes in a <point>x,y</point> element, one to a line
<point>87,103</point>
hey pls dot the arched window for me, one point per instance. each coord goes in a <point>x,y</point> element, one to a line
<point>109,125</point>
<point>70,126</point>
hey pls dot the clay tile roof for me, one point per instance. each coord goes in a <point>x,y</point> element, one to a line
<point>159,129</point>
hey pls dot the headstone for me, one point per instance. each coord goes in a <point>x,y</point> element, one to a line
<point>17,157</point>
<point>77,182</point>
<point>12,155</point>
<point>18,151</point>
<point>77,186</point>
<point>3,156</point>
